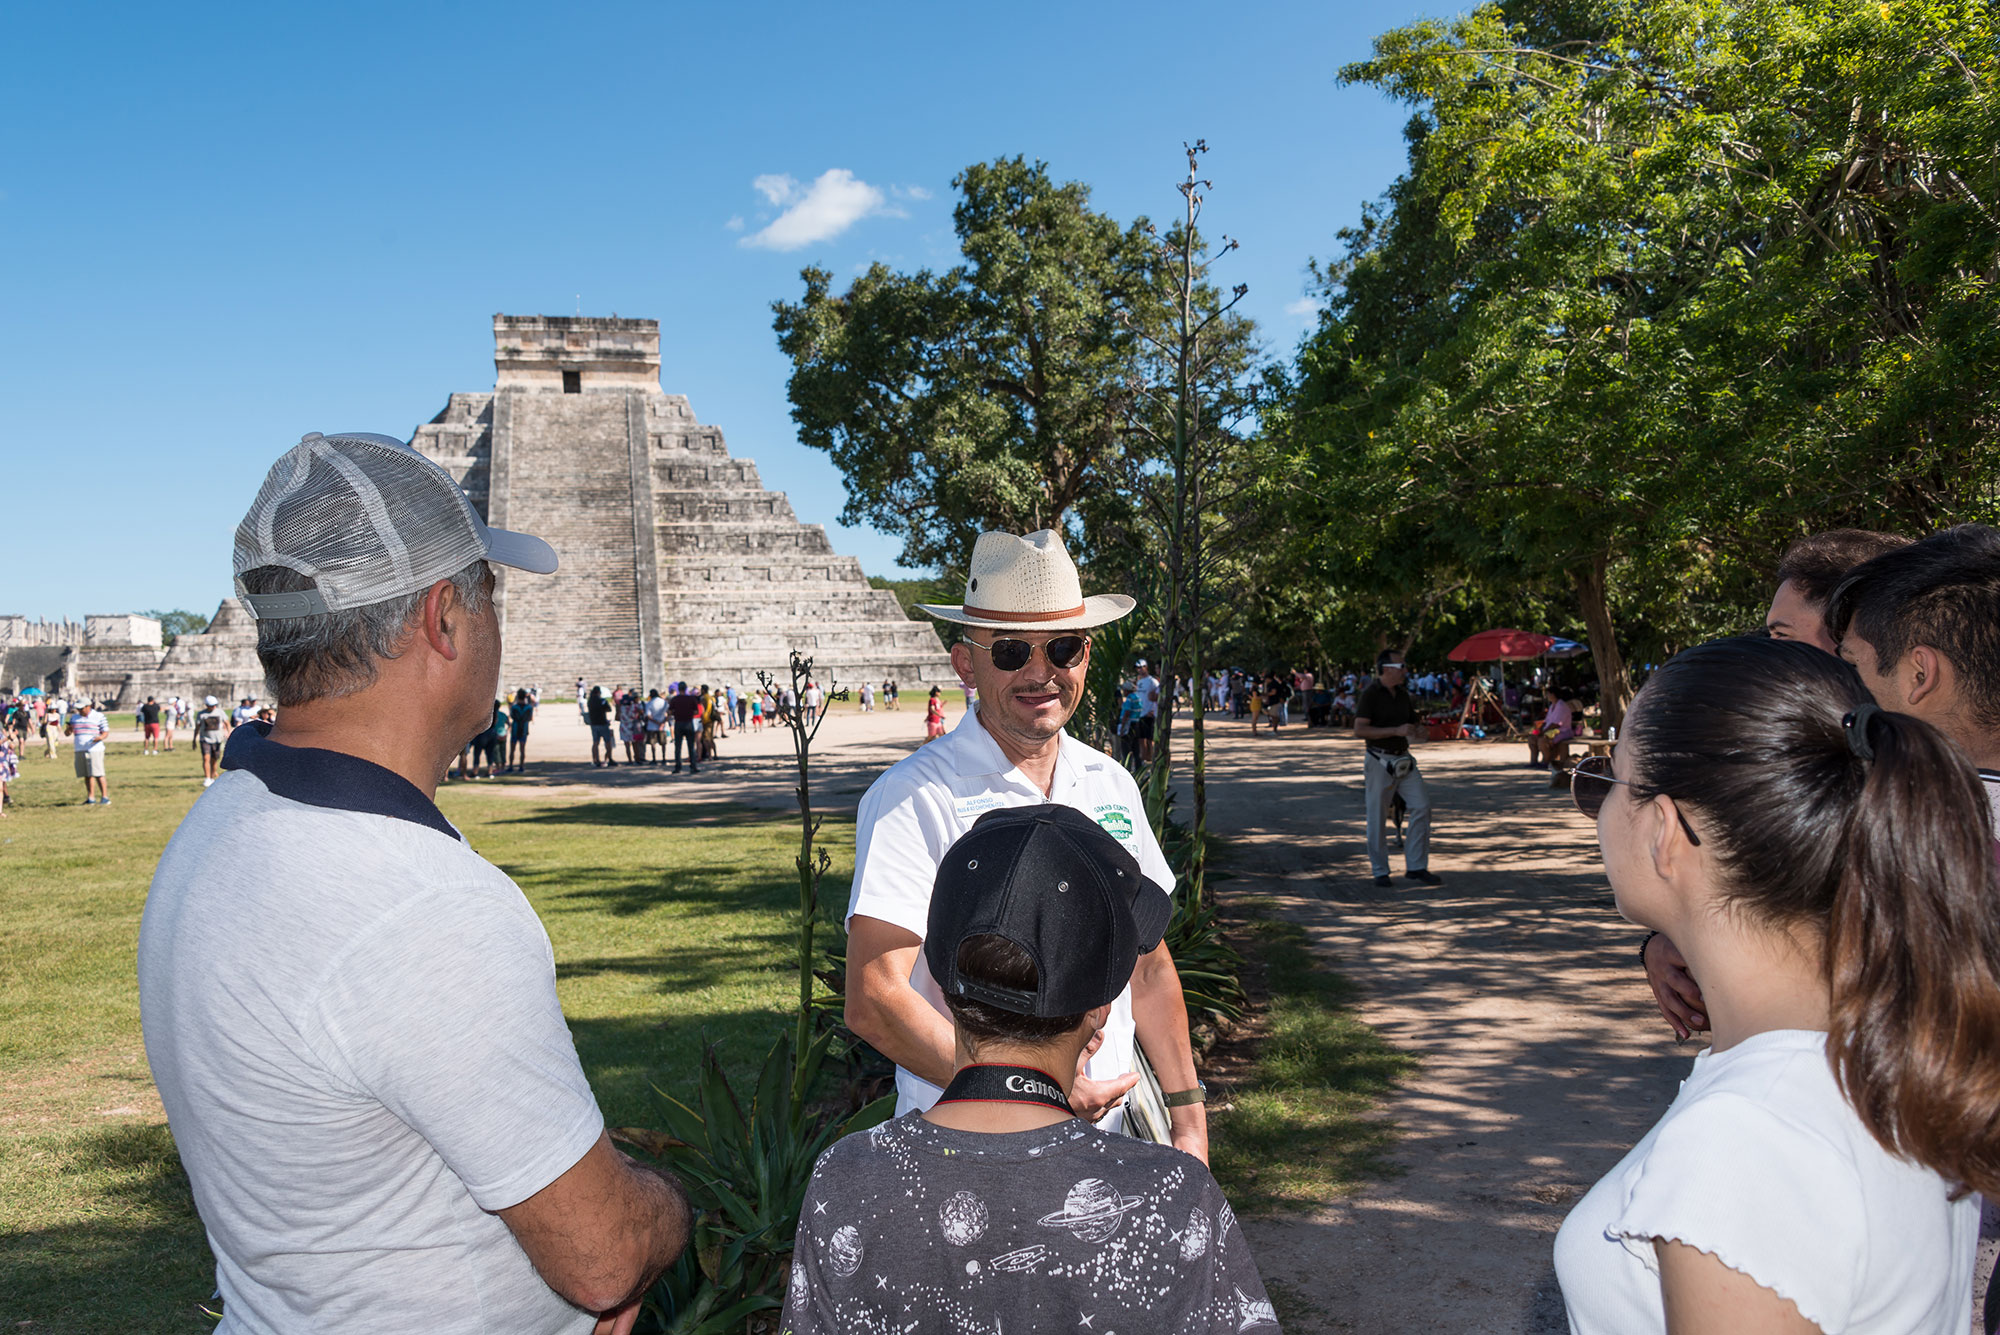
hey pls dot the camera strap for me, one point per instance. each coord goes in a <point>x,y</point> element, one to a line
<point>997,1083</point>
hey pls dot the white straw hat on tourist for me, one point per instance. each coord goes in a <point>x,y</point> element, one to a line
<point>1027,583</point>
<point>367,519</point>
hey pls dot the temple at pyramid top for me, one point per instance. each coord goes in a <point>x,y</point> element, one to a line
<point>576,353</point>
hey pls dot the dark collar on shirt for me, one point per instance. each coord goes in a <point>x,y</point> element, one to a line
<point>331,779</point>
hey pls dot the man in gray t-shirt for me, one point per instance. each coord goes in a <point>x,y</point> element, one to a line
<point>351,1015</point>
<point>997,1209</point>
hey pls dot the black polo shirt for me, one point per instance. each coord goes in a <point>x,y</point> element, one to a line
<point>1384,708</point>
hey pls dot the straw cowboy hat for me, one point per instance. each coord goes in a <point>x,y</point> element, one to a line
<point>1027,583</point>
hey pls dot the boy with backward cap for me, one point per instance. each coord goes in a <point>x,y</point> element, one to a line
<point>997,1209</point>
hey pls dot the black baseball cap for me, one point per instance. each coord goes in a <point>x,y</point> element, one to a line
<point>1052,881</point>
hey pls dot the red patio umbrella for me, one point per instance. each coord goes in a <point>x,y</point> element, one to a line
<point>1502,646</point>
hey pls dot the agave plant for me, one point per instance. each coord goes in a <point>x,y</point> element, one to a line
<point>745,1169</point>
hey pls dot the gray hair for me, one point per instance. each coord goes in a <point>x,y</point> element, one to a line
<point>331,654</point>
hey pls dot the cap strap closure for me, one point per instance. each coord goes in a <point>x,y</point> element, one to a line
<point>267,606</point>
<point>991,615</point>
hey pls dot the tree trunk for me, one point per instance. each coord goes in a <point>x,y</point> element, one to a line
<point>1614,692</point>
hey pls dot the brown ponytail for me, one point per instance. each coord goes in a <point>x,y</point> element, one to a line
<point>1911,952</point>
<point>1876,835</point>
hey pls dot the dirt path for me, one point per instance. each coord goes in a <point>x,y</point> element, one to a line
<point>1515,983</point>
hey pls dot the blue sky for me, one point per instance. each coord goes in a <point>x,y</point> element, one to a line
<point>226,226</point>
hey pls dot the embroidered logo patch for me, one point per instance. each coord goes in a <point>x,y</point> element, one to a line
<point>1116,820</point>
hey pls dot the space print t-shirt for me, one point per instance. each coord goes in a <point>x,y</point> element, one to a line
<point>1065,1228</point>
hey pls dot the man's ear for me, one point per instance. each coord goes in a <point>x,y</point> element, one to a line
<point>1925,673</point>
<point>1096,1019</point>
<point>443,619</point>
<point>961,661</point>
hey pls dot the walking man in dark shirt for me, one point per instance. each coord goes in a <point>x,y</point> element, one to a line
<point>1385,719</point>
<point>998,1209</point>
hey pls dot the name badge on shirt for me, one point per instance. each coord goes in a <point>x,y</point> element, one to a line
<point>969,809</point>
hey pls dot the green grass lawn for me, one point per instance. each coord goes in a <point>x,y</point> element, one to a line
<point>670,928</point>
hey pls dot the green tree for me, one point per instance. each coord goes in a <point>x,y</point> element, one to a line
<point>177,623</point>
<point>1664,286</point>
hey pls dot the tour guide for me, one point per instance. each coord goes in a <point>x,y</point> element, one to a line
<point>351,1015</point>
<point>1026,651</point>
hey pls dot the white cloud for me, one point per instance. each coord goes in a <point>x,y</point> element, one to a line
<point>816,212</point>
<point>1305,307</point>
<point>915,192</point>
<point>735,224</point>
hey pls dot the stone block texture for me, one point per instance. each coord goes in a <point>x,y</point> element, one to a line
<point>677,563</point>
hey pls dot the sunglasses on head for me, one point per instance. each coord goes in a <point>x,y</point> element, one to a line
<point>1012,655</point>
<point>1590,797</point>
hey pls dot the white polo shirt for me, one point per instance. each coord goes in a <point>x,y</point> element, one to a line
<point>924,802</point>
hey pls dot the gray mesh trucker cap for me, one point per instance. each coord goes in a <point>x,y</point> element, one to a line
<point>367,519</point>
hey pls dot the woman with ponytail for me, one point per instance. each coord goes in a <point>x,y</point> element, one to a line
<point>1828,871</point>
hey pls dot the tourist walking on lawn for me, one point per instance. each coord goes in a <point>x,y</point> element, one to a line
<point>1827,868</point>
<point>934,717</point>
<point>211,728</point>
<point>351,1016</point>
<point>519,715</point>
<point>1026,650</point>
<point>1385,718</point>
<point>88,730</point>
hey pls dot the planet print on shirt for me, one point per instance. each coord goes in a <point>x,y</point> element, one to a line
<point>962,1219</point>
<point>1092,1211</point>
<point>843,1251</point>
<point>1194,1242</point>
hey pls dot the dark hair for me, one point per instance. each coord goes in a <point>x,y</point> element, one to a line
<point>1891,859</point>
<point>1387,658</point>
<point>994,959</point>
<point>1815,565</point>
<point>1943,591</point>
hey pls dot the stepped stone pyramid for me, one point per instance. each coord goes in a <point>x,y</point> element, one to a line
<point>677,563</point>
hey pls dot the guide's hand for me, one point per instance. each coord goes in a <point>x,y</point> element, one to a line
<point>1416,732</point>
<point>1674,988</point>
<point>618,1321</point>
<point>1091,1099</point>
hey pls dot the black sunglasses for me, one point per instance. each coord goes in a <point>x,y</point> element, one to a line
<point>1012,655</point>
<point>1590,798</point>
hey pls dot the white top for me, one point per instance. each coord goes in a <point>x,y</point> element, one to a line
<point>925,801</point>
<point>1149,694</point>
<point>656,709</point>
<point>1761,1163</point>
<point>352,1020</point>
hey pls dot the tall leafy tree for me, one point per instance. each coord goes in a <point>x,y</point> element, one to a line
<point>994,395</point>
<point>1665,284</point>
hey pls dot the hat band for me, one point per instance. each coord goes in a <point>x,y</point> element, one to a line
<point>972,611</point>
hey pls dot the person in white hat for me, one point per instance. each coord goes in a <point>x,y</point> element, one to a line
<point>352,1016</point>
<point>1027,648</point>
<point>211,729</point>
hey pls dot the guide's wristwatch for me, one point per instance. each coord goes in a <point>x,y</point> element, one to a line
<point>1182,1098</point>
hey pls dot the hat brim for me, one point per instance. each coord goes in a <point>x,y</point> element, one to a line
<point>523,551</point>
<point>1100,609</point>
<point>1152,910</point>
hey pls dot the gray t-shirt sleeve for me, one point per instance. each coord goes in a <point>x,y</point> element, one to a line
<point>446,1013</point>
